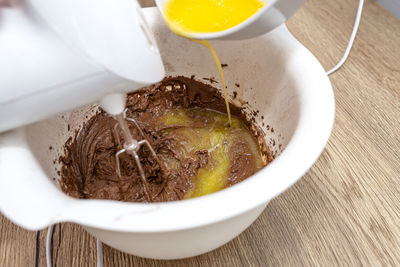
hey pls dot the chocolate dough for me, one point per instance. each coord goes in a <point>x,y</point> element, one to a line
<point>88,166</point>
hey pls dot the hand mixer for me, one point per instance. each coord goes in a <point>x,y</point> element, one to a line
<point>59,55</point>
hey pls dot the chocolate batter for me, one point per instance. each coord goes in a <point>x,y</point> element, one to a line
<point>88,166</point>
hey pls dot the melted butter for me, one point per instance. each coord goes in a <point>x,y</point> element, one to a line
<point>213,136</point>
<point>206,16</point>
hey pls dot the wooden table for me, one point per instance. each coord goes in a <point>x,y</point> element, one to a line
<point>345,210</point>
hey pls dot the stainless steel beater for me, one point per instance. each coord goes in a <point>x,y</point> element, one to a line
<point>131,146</point>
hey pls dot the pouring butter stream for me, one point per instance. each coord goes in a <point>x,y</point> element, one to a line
<point>185,17</point>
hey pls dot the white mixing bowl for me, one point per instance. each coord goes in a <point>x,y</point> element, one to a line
<point>279,77</point>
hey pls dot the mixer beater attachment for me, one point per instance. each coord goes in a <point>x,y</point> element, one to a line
<point>131,146</point>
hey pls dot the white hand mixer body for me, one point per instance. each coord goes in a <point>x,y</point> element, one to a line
<point>59,55</point>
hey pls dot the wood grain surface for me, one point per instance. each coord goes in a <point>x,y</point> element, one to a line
<point>345,211</point>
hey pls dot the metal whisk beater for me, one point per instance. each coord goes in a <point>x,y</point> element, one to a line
<point>131,146</point>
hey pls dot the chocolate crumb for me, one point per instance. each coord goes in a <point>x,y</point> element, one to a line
<point>272,142</point>
<point>211,80</point>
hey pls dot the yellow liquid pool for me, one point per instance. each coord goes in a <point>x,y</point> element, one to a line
<point>216,138</point>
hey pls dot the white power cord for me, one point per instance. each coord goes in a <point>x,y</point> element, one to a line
<point>49,241</point>
<point>99,246</point>
<point>48,244</point>
<point>99,249</point>
<point>352,37</point>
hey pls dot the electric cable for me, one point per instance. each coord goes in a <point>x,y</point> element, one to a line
<point>352,38</point>
<point>48,245</point>
<point>99,249</point>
